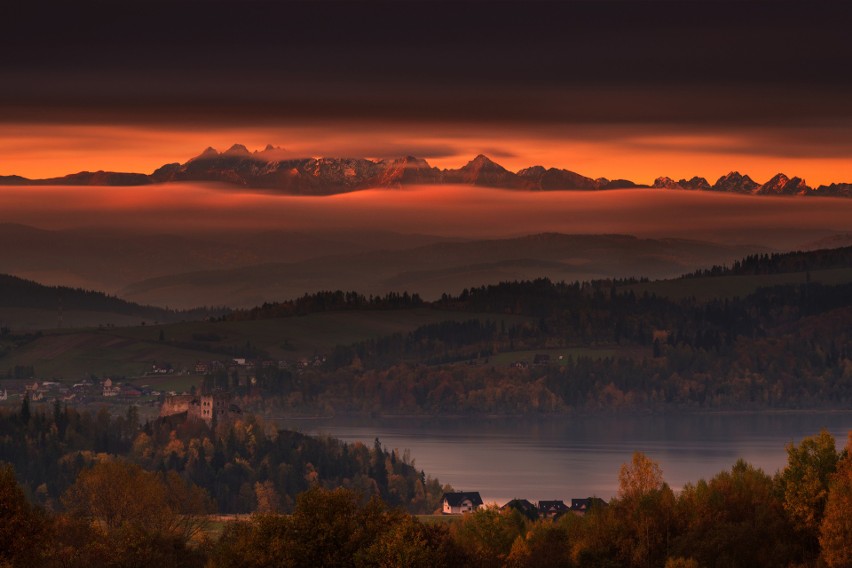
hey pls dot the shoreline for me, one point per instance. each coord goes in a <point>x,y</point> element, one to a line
<point>557,416</point>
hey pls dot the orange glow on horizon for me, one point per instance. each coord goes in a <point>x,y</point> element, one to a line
<point>44,151</point>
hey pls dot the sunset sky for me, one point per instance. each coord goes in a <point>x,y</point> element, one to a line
<point>632,89</point>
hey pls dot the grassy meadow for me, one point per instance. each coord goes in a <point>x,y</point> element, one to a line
<point>131,351</point>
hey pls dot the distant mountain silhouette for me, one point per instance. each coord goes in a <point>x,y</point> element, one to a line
<point>780,184</point>
<point>436,268</point>
<point>272,169</point>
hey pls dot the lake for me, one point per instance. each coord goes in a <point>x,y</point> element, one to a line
<point>574,457</point>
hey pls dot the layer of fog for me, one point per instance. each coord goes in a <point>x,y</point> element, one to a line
<point>453,211</point>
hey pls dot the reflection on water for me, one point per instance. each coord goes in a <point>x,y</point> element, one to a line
<point>570,457</point>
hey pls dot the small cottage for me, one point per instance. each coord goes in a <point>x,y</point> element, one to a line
<point>461,502</point>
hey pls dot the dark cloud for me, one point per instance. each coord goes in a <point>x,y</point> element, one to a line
<point>485,62</point>
<point>778,141</point>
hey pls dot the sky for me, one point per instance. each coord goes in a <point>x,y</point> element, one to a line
<point>622,89</point>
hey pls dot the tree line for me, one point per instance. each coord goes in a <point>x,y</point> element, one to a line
<point>21,293</point>
<point>326,301</point>
<point>779,263</point>
<point>117,514</point>
<point>779,347</point>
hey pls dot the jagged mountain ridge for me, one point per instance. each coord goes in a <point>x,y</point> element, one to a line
<point>272,169</point>
<point>734,182</point>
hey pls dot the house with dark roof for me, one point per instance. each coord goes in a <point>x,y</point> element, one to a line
<point>460,502</point>
<point>581,506</point>
<point>552,509</point>
<point>524,507</point>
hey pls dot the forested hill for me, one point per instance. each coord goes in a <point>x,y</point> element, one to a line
<point>780,263</point>
<point>244,466</point>
<point>327,301</point>
<point>541,296</point>
<point>20,293</point>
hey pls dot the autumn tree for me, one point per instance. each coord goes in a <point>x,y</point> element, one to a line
<point>640,477</point>
<point>331,528</point>
<point>594,538</point>
<point>267,497</point>
<point>488,533</point>
<point>22,526</point>
<point>410,543</point>
<point>735,520</point>
<point>804,482</point>
<point>261,542</point>
<point>643,513</point>
<point>334,528</point>
<point>836,529</point>
<point>74,543</point>
<point>546,544</point>
<point>143,514</point>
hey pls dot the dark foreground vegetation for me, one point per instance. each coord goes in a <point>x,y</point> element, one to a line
<point>242,466</point>
<point>115,513</point>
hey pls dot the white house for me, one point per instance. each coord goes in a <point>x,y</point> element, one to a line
<point>461,502</point>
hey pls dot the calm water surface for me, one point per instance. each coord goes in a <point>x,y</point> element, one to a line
<point>570,457</point>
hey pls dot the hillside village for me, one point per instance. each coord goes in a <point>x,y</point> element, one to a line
<point>150,388</point>
<point>462,502</point>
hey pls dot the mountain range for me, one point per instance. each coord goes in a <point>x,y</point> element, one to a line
<point>272,169</point>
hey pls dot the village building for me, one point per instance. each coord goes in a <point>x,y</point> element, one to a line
<point>214,407</point>
<point>552,509</point>
<point>162,369</point>
<point>460,502</point>
<point>524,507</point>
<point>110,388</point>
<point>582,506</point>
<point>130,391</point>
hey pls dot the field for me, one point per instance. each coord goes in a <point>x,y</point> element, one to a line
<point>72,355</point>
<point>706,288</point>
<point>556,355</point>
<point>131,351</point>
<point>304,336</point>
<point>34,319</point>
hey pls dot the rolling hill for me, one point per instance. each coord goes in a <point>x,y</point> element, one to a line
<point>131,350</point>
<point>110,259</point>
<point>25,304</point>
<point>434,269</point>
